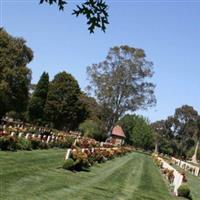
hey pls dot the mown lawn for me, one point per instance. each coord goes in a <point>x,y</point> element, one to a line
<point>37,175</point>
<point>193,182</point>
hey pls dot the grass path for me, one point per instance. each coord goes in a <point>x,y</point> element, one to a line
<point>37,175</point>
<point>193,182</point>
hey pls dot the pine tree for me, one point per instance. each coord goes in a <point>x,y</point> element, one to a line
<point>38,99</point>
<point>63,106</point>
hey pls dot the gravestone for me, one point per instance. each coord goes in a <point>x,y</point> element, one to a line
<point>68,154</point>
<point>27,135</point>
<point>48,139</point>
<point>20,134</point>
<point>13,133</point>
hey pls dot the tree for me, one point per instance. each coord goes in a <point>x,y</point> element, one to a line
<point>193,151</point>
<point>120,83</point>
<point>93,108</point>
<point>185,122</point>
<point>127,123</point>
<point>197,139</point>
<point>63,106</point>
<point>93,129</point>
<point>159,132</point>
<point>96,12</point>
<point>138,131</point>
<point>38,99</point>
<point>182,127</point>
<point>143,134</point>
<point>169,143</point>
<point>15,76</point>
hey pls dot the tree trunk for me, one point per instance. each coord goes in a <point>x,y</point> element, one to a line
<point>194,157</point>
<point>156,148</point>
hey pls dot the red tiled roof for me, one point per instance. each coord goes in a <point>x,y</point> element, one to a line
<point>117,131</point>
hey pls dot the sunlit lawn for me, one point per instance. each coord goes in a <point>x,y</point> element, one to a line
<point>37,175</point>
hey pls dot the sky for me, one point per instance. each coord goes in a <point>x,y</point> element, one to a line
<point>168,31</point>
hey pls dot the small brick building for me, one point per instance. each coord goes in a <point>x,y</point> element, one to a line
<point>117,136</point>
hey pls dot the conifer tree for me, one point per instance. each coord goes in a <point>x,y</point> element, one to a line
<point>64,108</point>
<point>38,99</point>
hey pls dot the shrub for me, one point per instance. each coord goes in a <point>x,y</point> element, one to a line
<point>91,158</point>
<point>24,144</point>
<point>8,143</point>
<point>108,154</point>
<point>158,162</point>
<point>81,164</point>
<point>170,176</point>
<point>69,164</point>
<point>44,145</point>
<point>36,143</point>
<point>66,143</point>
<point>184,191</point>
<point>184,177</point>
<point>87,143</point>
<point>80,159</point>
<point>97,156</point>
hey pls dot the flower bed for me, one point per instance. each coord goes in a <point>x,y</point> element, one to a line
<point>84,142</point>
<point>13,143</point>
<point>81,159</point>
<point>29,138</point>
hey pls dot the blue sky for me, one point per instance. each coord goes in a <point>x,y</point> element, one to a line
<point>168,31</point>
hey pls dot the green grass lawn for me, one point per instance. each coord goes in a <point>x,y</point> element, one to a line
<point>193,182</point>
<point>37,175</point>
<point>195,164</point>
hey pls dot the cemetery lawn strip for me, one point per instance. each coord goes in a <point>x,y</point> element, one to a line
<point>193,182</point>
<point>37,175</point>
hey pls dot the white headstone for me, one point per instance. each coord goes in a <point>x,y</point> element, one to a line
<point>44,137</point>
<point>13,134</point>
<point>48,139</point>
<point>67,154</point>
<point>20,134</point>
<point>27,135</point>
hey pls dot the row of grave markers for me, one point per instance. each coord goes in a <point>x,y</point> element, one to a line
<point>50,138</point>
<point>44,138</point>
<point>187,167</point>
<point>178,177</point>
